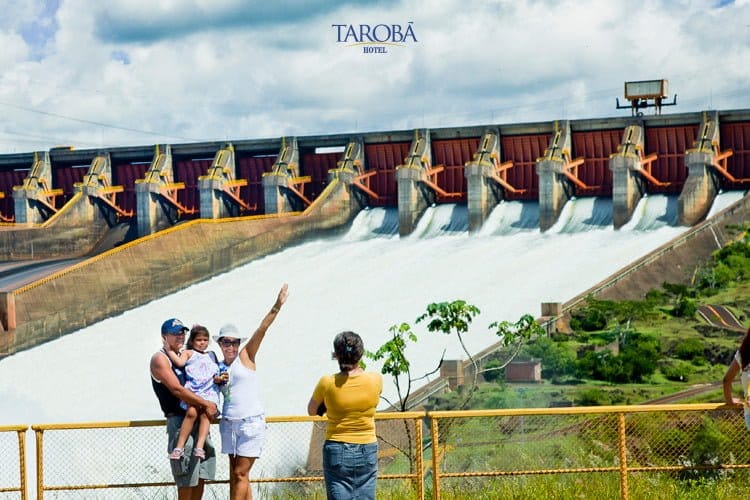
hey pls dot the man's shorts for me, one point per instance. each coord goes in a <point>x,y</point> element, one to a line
<point>245,437</point>
<point>189,469</point>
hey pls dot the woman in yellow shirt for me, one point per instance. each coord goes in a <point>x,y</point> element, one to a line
<point>350,451</point>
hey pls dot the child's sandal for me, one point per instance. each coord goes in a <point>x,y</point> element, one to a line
<point>199,453</point>
<point>177,454</point>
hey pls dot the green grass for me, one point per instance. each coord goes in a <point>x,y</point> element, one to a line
<point>594,485</point>
<point>718,346</point>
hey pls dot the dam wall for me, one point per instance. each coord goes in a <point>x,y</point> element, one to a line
<point>146,269</point>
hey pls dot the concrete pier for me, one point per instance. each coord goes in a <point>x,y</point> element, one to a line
<point>152,213</point>
<point>554,188</point>
<point>627,184</point>
<point>702,183</point>
<point>94,206</point>
<point>351,170</point>
<point>482,190</point>
<point>219,188</point>
<point>96,184</point>
<point>278,183</point>
<point>32,201</point>
<point>77,228</point>
<point>413,195</point>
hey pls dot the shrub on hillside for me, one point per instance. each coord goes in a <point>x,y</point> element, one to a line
<point>689,349</point>
<point>637,359</point>
<point>492,372</point>
<point>592,397</point>
<point>740,264</point>
<point>588,319</point>
<point>596,314</point>
<point>684,308</point>
<point>705,451</point>
<point>640,355</point>
<point>656,296</point>
<point>675,370</point>
<point>558,360</point>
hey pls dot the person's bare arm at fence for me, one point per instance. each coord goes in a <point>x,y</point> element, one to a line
<point>732,370</point>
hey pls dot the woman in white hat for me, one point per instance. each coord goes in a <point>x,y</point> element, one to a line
<point>243,423</point>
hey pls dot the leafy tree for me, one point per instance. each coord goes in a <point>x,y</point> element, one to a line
<point>689,349</point>
<point>677,291</point>
<point>589,319</point>
<point>685,308</point>
<point>704,452</point>
<point>397,365</point>
<point>514,335</point>
<point>452,317</point>
<point>637,359</point>
<point>675,370</point>
<point>682,305</point>
<point>557,360</point>
<point>448,318</point>
<point>492,371</point>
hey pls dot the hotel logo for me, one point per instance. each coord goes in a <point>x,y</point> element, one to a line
<point>375,39</point>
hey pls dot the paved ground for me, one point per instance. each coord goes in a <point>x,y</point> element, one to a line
<point>720,316</point>
<point>680,396</point>
<point>15,274</point>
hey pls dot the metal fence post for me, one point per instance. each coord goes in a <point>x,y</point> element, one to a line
<point>22,461</point>
<point>39,464</point>
<point>622,444</point>
<point>419,458</point>
<point>435,459</point>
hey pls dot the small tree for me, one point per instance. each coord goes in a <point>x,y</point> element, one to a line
<point>558,361</point>
<point>455,317</point>
<point>514,335</point>
<point>397,365</point>
<point>443,317</point>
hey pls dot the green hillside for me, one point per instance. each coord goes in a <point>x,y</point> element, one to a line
<point>677,341</point>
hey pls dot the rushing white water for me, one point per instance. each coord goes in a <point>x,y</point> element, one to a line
<point>365,281</point>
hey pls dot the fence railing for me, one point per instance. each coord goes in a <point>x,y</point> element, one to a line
<point>613,441</point>
<point>614,451</point>
<point>13,463</point>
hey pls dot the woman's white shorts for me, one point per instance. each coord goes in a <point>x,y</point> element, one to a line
<point>245,437</point>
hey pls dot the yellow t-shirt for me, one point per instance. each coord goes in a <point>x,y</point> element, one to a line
<point>350,405</point>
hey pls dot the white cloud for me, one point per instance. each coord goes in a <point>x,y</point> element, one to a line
<point>239,70</point>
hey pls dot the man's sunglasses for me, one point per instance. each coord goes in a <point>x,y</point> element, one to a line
<point>227,343</point>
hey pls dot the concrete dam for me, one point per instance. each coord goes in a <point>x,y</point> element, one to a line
<point>135,224</point>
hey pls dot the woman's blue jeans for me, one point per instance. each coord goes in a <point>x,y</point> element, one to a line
<point>350,470</point>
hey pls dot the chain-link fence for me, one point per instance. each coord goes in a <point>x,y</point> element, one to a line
<point>119,460</point>
<point>605,452</point>
<point>13,463</point>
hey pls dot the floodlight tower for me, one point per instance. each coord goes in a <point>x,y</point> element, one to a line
<point>646,94</point>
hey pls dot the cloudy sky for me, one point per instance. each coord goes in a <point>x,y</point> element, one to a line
<point>137,72</point>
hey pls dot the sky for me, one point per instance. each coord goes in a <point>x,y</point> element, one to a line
<point>139,72</point>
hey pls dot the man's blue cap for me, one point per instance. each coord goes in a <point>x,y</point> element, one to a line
<point>173,326</point>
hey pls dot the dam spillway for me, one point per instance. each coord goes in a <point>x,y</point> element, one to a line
<point>365,280</point>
